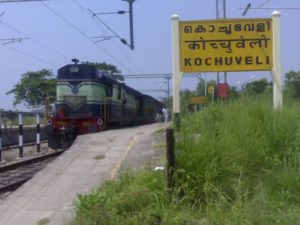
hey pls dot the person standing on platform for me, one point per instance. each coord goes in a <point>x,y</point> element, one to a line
<point>165,114</point>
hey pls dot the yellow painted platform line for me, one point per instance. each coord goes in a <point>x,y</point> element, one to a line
<point>119,163</point>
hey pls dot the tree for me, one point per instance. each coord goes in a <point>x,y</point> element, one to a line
<point>33,87</point>
<point>292,84</point>
<point>10,116</point>
<point>256,87</point>
<point>111,70</point>
<point>201,87</point>
<point>234,92</point>
<point>184,106</point>
<point>103,66</point>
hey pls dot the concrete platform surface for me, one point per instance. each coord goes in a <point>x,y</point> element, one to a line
<point>48,198</point>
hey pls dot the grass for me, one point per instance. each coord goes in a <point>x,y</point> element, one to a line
<point>236,164</point>
<point>43,221</point>
<point>99,157</point>
<point>245,167</point>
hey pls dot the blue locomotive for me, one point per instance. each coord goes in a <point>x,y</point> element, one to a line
<point>88,100</point>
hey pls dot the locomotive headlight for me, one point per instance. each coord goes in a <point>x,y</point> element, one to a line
<point>74,69</point>
<point>49,121</point>
<point>99,122</point>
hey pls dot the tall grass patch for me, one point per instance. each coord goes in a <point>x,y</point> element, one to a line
<point>230,157</point>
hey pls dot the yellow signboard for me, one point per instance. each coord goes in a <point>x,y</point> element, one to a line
<point>195,100</point>
<point>226,45</point>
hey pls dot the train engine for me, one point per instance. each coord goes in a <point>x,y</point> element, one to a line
<point>87,100</point>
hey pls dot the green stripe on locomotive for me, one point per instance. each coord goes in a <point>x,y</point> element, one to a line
<point>92,92</point>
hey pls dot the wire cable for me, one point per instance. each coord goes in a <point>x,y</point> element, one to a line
<point>80,31</point>
<point>109,28</point>
<point>35,40</point>
<point>264,3</point>
<point>278,8</point>
<point>30,56</point>
<point>84,10</point>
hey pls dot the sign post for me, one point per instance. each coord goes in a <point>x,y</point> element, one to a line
<point>177,74</point>
<point>226,45</point>
<point>276,70</point>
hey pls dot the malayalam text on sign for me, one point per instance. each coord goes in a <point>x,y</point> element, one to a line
<point>226,45</point>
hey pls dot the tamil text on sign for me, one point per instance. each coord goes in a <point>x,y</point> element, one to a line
<point>226,45</point>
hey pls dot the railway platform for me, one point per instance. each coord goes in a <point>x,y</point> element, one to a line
<point>48,198</point>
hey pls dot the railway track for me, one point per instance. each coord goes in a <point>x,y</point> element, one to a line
<point>16,145</point>
<point>15,174</point>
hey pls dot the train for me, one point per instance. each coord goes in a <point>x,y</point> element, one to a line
<point>89,100</point>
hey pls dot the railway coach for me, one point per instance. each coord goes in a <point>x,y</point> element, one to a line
<point>88,100</point>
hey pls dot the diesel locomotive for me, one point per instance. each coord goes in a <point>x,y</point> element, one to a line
<point>88,100</point>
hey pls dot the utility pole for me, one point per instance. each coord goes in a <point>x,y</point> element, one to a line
<point>220,7</point>
<point>130,2</point>
<point>217,16</point>
<point>224,16</point>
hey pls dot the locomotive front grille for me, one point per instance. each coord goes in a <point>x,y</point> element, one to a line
<point>75,101</point>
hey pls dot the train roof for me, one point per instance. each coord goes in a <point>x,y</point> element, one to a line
<point>71,71</point>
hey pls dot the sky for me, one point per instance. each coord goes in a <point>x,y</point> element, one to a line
<point>57,31</point>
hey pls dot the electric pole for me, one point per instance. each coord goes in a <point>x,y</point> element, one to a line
<point>221,7</point>
<point>130,2</point>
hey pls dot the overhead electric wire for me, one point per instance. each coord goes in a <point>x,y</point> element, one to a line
<point>35,40</point>
<point>108,27</point>
<point>30,56</point>
<point>84,10</point>
<point>7,1</point>
<point>158,75</point>
<point>79,30</point>
<point>154,90</point>
<point>100,24</point>
<point>264,3</point>
<point>258,7</point>
<point>281,8</point>
<point>65,20</point>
